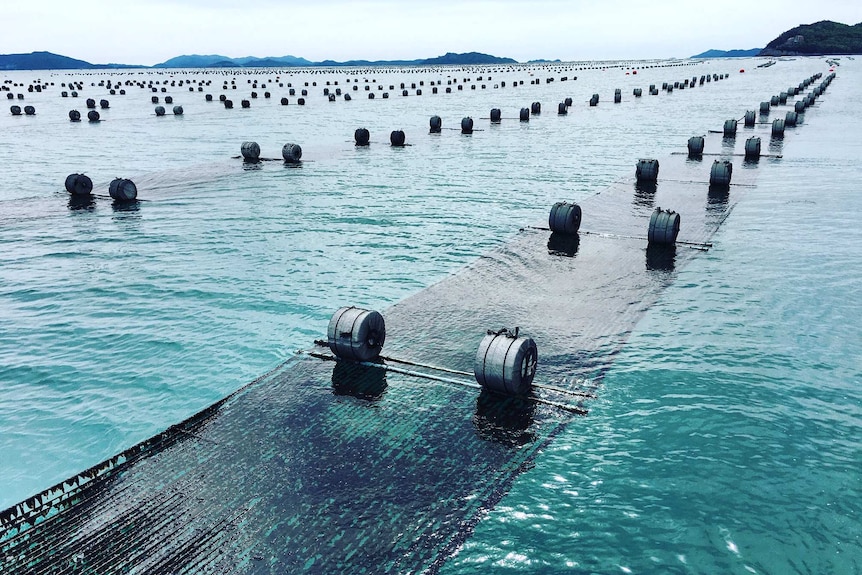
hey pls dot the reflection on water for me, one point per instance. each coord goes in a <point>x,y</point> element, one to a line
<point>131,207</point>
<point>360,381</point>
<point>644,195</point>
<point>251,165</point>
<point>776,144</point>
<point>661,257</point>
<point>504,419</point>
<point>563,244</point>
<point>82,202</point>
<point>717,198</point>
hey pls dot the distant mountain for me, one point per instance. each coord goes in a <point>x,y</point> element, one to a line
<point>49,61</point>
<point>451,58</point>
<point>468,58</point>
<point>217,61</point>
<point>820,38</point>
<point>728,53</point>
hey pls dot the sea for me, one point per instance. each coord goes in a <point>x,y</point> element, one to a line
<point>726,435</point>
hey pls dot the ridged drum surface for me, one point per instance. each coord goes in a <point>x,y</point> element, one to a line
<point>356,334</point>
<point>565,218</point>
<point>505,364</point>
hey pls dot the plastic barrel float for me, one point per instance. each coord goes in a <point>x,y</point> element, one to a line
<point>506,362</point>
<point>356,334</point>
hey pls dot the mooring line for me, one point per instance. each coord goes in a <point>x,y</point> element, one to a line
<point>703,246</point>
<point>321,343</point>
<point>568,408</point>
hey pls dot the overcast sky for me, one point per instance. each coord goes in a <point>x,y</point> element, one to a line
<point>151,31</point>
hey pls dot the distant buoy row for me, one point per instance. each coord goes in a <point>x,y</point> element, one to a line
<point>505,361</point>
<point>120,189</point>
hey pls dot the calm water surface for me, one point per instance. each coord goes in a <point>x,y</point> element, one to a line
<point>726,436</point>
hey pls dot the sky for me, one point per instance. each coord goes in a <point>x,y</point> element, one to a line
<point>148,32</point>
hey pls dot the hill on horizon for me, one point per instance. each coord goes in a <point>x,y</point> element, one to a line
<point>821,38</point>
<point>49,61</point>
<point>713,53</point>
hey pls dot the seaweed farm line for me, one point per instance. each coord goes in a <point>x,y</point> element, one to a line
<point>680,368</point>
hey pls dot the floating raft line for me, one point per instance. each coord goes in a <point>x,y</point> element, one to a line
<point>336,468</point>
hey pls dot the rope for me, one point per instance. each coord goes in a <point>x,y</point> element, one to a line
<point>568,408</point>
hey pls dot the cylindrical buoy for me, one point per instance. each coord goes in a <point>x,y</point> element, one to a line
<point>467,125</point>
<point>506,362</point>
<point>104,104</point>
<point>245,104</point>
<point>91,103</point>
<point>791,118</point>
<point>361,137</point>
<point>750,118</point>
<point>778,128</point>
<point>169,100</point>
<point>562,110</point>
<point>29,110</point>
<point>663,227</point>
<point>154,99</point>
<point>730,127</point>
<point>799,107</point>
<point>764,107</point>
<point>93,116</point>
<point>250,151</point>
<point>396,138</point>
<point>436,124</point>
<point>720,173</point>
<point>74,116</point>
<point>123,190</point>
<point>695,145</point>
<point>637,92</point>
<point>79,184</point>
<point>496,115</point>
<point>618,96</point>
<point>536,108</point>
<point>646,170</point>
<point>752,148</point>
<point>160,110</point>
<point>228,104</point>
<point>15,110</point>
<point>356,334</point>
<point>178,110</point>
<point>525,114</point>
<point>291,153</point>
<point>565,218</point>
<point>594,100</point>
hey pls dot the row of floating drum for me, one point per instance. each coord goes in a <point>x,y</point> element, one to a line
<point>292,153</point>
<point>505,361</point>
<point>120,189</point>
<point>792,117</point>
<point>565,218</point>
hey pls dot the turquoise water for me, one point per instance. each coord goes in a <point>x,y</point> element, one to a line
<point>725,438</point>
